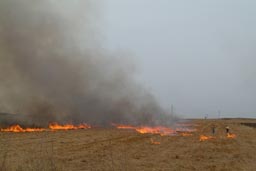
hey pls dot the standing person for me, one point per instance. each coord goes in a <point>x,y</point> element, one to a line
<point>227,129</point>
<point>213,129</point>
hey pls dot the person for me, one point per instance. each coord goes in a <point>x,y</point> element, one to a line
<point>227,129</point>
<point>213,129</point>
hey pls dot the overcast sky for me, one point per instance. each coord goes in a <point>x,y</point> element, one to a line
<point>198,55</point>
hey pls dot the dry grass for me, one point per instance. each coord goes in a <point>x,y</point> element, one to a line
<point>124,150</point>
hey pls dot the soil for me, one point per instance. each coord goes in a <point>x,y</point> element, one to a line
<point>100,149</point>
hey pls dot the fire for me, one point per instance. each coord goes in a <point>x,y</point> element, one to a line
<point>156,130</point>
<point>161,130</point>
<point>148,130</point>
<point>56,126</point>
<point>124,126</point>
<point>204,138</point>
<point>52,126</point>
<point>229,135</point>
<point>186,134</point>
<point>18,128</point>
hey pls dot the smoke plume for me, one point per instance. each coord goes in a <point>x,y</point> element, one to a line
<point>53,68</point>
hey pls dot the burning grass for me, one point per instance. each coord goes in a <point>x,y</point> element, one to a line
<point>205,138</point>
<point>18,128</point>
<point>229,135</point>
<point>52,127</point>
<point>56,126</point>
<point>125,149</point>
<point>178,129</point>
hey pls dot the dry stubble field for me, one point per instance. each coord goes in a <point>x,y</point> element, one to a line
<point>125,150</point>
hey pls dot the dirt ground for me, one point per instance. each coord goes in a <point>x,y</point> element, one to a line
<point>101,149</point>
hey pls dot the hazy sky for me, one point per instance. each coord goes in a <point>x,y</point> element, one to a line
<point>198,55</point>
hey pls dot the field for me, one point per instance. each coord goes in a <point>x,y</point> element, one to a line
<point>99,149</point>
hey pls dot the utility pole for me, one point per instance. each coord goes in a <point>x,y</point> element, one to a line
<point>206,116</point>
<point>219,113</point>
<point>172,109</point>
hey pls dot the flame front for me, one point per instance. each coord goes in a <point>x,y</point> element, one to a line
<point>204,137</point>
<point>52,126</point>
<point>18,128</point>
<point>156,130</point>
<point>161,130</point>
<point>186,134</point>
<point>148,130</point>
<point>56,126</point>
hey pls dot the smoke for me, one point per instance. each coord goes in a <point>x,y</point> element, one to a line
<point>53,68</point>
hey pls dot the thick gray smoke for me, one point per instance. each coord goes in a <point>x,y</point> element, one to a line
<point>52,68</point>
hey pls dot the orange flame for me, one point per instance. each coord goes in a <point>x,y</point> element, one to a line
<point>18,128</point>
<point>156,130</point>
<point>52,126</point>
<point>186,134</point>
<point>148,130</point>
<point>124,126</point>
<point>229,135</point>
<point>204,138</point>
<point>56,126</point>
<point>161,130</point>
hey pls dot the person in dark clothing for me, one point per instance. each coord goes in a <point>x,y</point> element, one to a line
<point>227,129</point>
<point>213,129</point>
